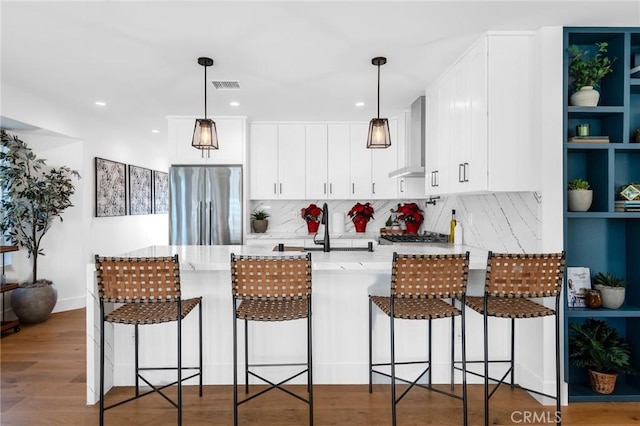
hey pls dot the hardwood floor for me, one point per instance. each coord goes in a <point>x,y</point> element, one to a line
<point>43,383</point>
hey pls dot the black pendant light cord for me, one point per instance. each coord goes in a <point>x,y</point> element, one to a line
<point>378,90</point>
<point>205,91</point>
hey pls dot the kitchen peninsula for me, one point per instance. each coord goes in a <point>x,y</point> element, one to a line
<point>342,282</point>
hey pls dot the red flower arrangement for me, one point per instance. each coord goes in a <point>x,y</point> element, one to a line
<point>311,213</point>
<point>361,212</point>
<point>410,212</point>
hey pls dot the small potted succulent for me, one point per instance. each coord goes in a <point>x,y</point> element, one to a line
<point>360,215</point>
<point>259,221</point>
<point>596,346</point>
<point>579,196</point>
<point>587,70</point>
<point>612,289</point>
<point>411,215</point>
<point>312,216</point>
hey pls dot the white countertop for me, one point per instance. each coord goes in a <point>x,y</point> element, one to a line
<point>305,236</point>
<point>212,258</point>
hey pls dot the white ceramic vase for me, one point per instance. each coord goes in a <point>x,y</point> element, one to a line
<point>586,96</point>
<point>612,297</point>
<point>579,200</point>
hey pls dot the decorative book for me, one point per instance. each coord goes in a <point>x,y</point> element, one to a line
<point>578,281</point>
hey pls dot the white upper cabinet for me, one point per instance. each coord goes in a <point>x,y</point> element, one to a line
<point>360,163</point>
<point>327,164</point>
<point>479,119</point>
<point>291,161</point>
<point>263,161</point>
<point>383,162</point>
<point>277,161</point>
<point>231,136</point>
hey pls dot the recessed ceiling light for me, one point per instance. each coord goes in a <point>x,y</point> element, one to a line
<point>234,103</point>
<point>155,131</point>
<point>359,104</point>
<point>101,103</point>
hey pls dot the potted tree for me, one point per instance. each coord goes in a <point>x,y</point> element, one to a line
<point>612,288</point>
<point>579,197</point>
<point>360,215</point>
<point>259,221</point>
<point>587,70</point>
<point>595,345</point>
<point>33,196</point>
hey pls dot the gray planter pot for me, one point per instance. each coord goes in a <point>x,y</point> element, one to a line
<point>260,226</point>
<point>579,200</point>
<point>34,303</point>
<point>612,297</point>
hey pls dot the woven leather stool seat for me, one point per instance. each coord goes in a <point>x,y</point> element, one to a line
<point>270,289</point>
<point>151,313</point>
<point>509,307</point>
<point>272,310</point>
<point>423,287</point>
<point>148,291</point>
<point>416,308</point>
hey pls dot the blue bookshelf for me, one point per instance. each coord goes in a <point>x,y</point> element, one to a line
<point>603,239</point>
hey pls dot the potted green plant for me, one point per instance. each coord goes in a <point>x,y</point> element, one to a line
<point>587,70</point>
<point>596,346</point>
<point>259,221</point>
<point>33,196</point>
<point>612,288</point>
<point>579,196</point>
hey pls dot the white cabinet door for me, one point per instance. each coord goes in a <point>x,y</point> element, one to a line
<point>291,161</point>
<point>383,162</point>
<point>338,161</point>
<point>231,137</point>
<point>476,142</point>
<point>360,163</point>
<point>317,185</point>
<point>439,104</point>
<point>263,161</point>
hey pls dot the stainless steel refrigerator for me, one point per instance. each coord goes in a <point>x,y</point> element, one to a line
<point>205,205</point>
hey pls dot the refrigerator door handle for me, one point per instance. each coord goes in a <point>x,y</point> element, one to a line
<point>200,222</point>
<point>208,225</point>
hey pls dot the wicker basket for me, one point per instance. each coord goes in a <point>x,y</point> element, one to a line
<point>601,382</point>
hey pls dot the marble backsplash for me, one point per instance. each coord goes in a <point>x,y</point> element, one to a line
<point>502,222</point>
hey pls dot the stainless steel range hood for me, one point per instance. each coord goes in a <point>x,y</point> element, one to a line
<point>414,151</point>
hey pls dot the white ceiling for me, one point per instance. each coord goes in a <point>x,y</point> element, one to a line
<point>295,60</point>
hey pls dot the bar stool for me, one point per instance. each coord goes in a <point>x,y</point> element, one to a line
<point>511,281</point>
<point>419,283</point>
<point>149,288</point>
<point>270,288</point>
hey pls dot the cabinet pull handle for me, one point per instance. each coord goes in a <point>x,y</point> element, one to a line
<point>275,191</point>
<point>437,174</point>
<point>401,188</point>
<point>280,188</point>
<point>373,188</point>
<point>460,172</point>
<point>466,172</point>
<point>325,188</point>
<point>433,178</point>
<point>353,188</point>
<point>330,188</point>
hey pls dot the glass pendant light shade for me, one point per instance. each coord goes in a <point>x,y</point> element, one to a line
<point>205,135</point>
<point>379,136</point>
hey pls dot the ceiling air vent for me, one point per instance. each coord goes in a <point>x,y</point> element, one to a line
<point>226,85</point>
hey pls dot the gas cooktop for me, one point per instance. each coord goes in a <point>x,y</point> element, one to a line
<point>427,237</point>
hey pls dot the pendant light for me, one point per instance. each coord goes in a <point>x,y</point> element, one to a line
<point>379,136</point>
<point>205,136</point>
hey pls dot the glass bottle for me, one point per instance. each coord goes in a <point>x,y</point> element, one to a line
<point>452,226</point>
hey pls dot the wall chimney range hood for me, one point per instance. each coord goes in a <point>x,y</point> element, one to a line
<point>414,151</point>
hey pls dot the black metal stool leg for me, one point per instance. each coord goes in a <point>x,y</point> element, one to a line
<point>200,340</point>
<point>136,361</point>
<point>453,332</point>
<point>179,311</point>
<point>393,369</point>
<point>465,419</point>
<point>246,356</point>
<point>310,361</point>
<point>558,391</point>
<point>486,363</point>
<point>370,346</point>
<point>101,364</point>
<point>513,349</point>
<point>429,354</point>
<point>235,365</point>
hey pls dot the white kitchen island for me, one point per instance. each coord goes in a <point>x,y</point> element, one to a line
<point>341,284</point>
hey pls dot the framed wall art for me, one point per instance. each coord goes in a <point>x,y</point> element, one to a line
<point>139,190</point>
<point>111,185</point>
<point>160,192</point>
